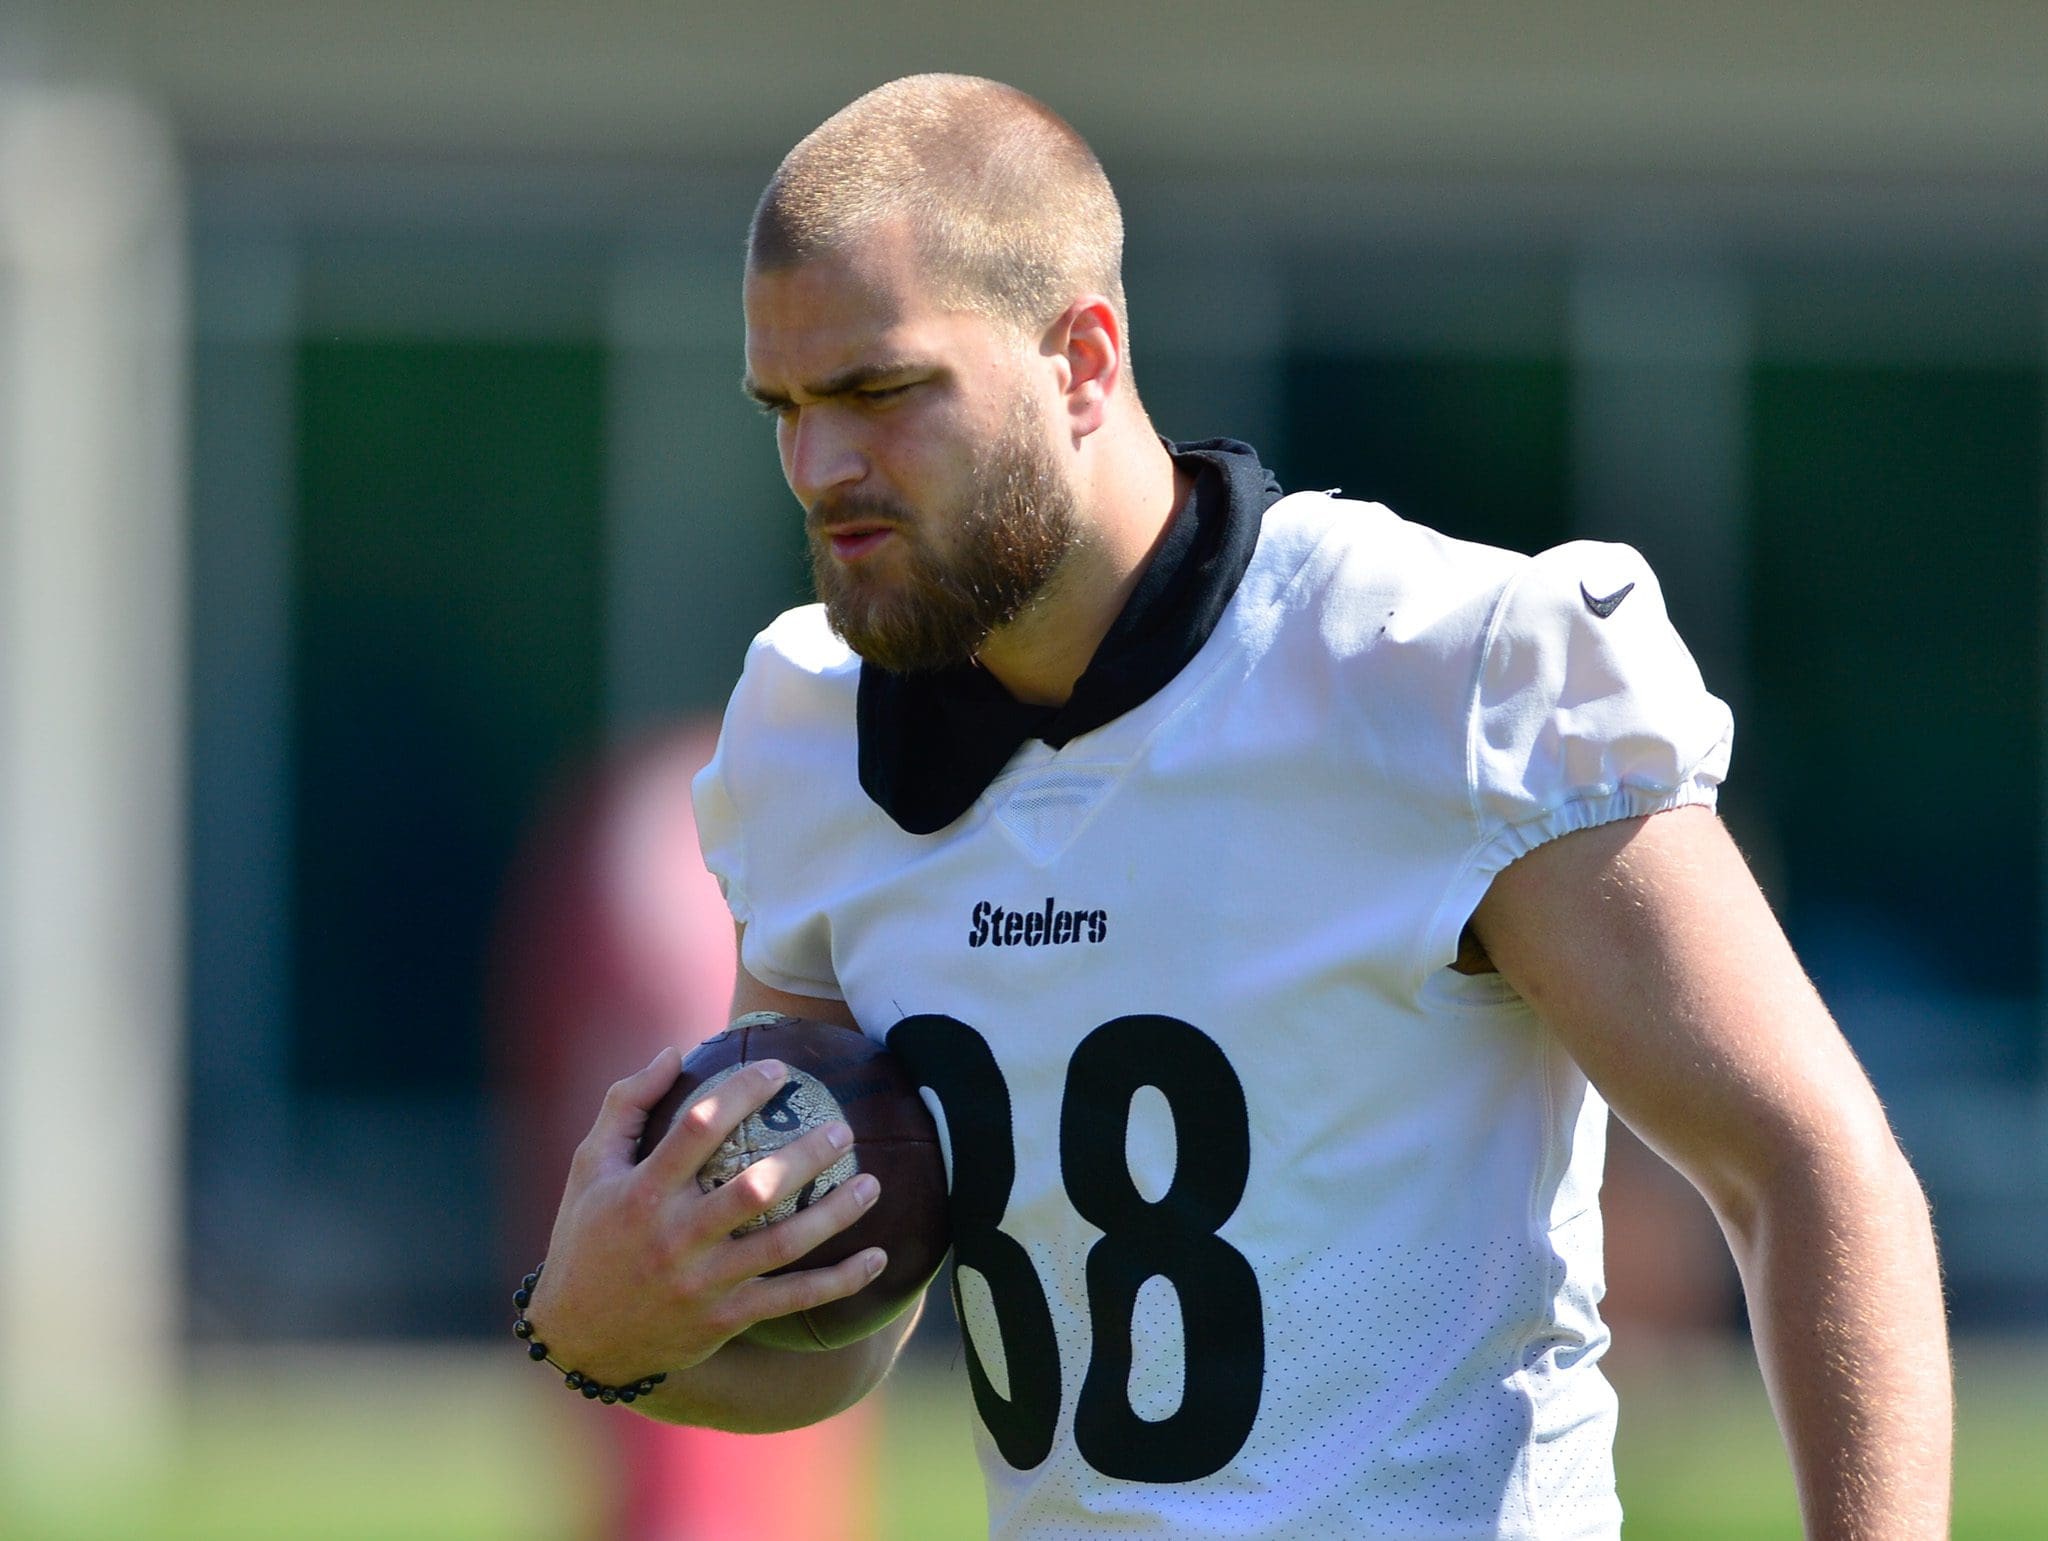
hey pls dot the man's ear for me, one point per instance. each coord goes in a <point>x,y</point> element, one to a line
<point>1087,342</point>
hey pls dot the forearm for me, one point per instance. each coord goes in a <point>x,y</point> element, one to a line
<point>1845,1305</point>
<point>747,1389</point>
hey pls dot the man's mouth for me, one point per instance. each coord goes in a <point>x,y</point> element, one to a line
<point>851,542</point>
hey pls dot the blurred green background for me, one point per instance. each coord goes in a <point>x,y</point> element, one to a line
<point>323,1450</point>
<point>376,500</point>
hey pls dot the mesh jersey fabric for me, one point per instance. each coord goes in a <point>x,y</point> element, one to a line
<point>1268,1223</point>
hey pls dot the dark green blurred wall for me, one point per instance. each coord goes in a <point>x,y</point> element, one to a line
<point>497,518</point>
<point>446,575</point>
<point>1896,653</point>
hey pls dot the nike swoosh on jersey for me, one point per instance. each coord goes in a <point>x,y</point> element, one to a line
<point>1605,607</point>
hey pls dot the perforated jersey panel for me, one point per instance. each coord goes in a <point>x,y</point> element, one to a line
<point>1293,1239</point>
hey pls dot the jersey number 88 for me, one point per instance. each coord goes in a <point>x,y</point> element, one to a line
<point>1174,1238</point>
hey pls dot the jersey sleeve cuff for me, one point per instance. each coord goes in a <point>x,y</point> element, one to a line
<point>1487,861</point>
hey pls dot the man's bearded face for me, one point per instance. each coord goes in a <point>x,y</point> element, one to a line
<point>961,572</point>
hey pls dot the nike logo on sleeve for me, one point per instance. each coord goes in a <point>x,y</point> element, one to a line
<point>1607,606</point>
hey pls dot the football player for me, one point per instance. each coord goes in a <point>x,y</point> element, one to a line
<point>1273,895</point>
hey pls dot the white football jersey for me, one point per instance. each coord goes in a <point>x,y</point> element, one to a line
<point>1267,1222</point>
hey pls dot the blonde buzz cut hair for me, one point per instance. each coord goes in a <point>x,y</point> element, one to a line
<point>1010,209</point>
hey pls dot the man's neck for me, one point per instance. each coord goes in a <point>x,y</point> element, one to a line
<point>1039,656</point>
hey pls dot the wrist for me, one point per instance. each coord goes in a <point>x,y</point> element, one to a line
<point>628,1390</point>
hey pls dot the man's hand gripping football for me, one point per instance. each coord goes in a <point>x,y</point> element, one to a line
<point>644,1272</point>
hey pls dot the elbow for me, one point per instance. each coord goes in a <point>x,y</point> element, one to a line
<point>1812,1180</point>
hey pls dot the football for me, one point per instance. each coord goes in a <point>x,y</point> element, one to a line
<point>833,1073</point>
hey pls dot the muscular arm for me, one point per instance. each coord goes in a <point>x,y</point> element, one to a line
<point>644,1274</point>
<point>1647,948</point>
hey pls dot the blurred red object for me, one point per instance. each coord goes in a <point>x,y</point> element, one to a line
<point>613,941</point>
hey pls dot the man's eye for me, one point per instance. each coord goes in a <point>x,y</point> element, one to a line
<point>875,395</point>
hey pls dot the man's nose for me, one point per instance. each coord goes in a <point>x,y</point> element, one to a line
<point>821,453</point>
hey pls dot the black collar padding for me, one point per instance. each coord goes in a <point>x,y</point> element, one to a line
<point>931,743</point>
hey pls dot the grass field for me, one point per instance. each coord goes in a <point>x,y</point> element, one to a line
<point>470,1445</point>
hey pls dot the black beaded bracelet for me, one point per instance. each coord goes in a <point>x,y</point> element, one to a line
<point>575,1380</point>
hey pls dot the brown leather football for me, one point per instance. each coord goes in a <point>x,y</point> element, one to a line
<point>834,1073</point>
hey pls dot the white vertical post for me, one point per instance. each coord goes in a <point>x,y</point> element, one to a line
<point>91,754</point>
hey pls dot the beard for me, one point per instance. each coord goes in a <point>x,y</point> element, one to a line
<point>1001,550</point>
